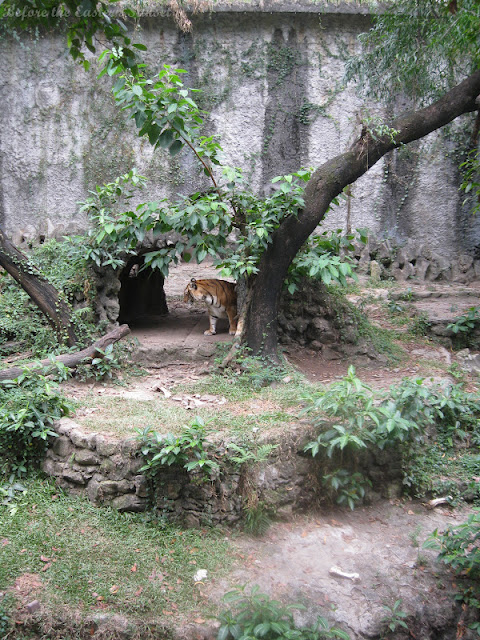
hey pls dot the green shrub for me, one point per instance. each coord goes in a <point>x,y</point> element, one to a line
<point>351,417</point>
<point>459,548</point>
<point>29,405</point>
<point>464,326</point>
<point>187,450</point>
<point>394,618</point>
<point>360,416</point>
<point>348,487</point>
<point>255,615</point>
<point>257,515</point>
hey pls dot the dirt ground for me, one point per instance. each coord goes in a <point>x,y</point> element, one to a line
<point>174,348</point>
<point>378,546</point>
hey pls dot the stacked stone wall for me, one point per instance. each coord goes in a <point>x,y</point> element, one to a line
<point>108,471</point>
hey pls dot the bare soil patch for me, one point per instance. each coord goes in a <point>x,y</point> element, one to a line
<point>382,544</point>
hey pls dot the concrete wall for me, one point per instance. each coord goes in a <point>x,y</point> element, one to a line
<point>271,77</point>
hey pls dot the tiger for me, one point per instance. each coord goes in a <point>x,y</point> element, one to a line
<point>220,297</point>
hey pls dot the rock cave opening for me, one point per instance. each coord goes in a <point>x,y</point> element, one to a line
<point>142,296</point>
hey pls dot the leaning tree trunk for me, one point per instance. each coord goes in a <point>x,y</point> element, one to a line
<point>43,294</point>
<point>70,360</point>
<point>328,181</point>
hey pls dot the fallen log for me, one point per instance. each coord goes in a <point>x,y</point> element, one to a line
<point>71,360</point>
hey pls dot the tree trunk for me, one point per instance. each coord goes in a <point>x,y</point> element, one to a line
<point>72,360</point>
<point>43,294</point>
<point>327,182</point>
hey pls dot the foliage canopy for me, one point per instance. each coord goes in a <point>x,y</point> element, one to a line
<point>421,47</point>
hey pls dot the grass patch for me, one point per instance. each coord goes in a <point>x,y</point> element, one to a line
<point>246,407</point>
<point>92,559</point>
<point>122,416</point>
<point>236,386</point>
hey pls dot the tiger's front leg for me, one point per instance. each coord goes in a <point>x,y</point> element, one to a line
<point>213,326</point>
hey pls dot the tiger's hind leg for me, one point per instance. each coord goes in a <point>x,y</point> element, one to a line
<point>232,318</point>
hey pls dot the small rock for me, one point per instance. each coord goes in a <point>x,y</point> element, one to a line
<point>33,606</point>
<point>375,271</point>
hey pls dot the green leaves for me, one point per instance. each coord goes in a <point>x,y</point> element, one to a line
<point>320,259</point>
<point>458,548</point>
<point>29,405</point>
<point>188,450</point>
<point>420,48</point>
<point>175,147</point>
<point>348,487</point>
<point>162,109</point>
<point>255,616</point>
<point>350,416</point>
<point>82,19</point>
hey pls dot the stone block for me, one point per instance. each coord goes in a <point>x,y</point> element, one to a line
<point>107,466</point>
<point>62,447</point>
<point>385,250</point>
<point>74,477</point>
<point>80,439</point>
<point>86,457</point>
<point>129,446</point>
<point>129,502</point>
<point>124,486</point>
<point>441,330</point>
<point>300,325</point>
<point>116,467</point>
<point>65,425</point>
<point>51,467</point>
<point>107,447</point>
<point>93,491</point>
<point>108,487</point>
<point>141,486</point>
<point>375,271</point>
<point>421,266</point>
<point>134,465</point>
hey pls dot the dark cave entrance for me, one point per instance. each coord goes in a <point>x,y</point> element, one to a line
<point>142,297</point>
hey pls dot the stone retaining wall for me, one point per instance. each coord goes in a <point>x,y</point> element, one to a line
<point>413,261</point>
<point>108,471</point>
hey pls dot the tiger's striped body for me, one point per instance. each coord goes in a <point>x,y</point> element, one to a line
<point>221,300</point>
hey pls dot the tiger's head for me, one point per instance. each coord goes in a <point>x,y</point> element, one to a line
<point>191,292</point>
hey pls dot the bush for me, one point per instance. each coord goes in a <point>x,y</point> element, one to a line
<point>187,450</point>
<point>29,405</point>
<point>459,548</point>
<point>255,615</point>
<point>351,417</point>
<point>463,328</point>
